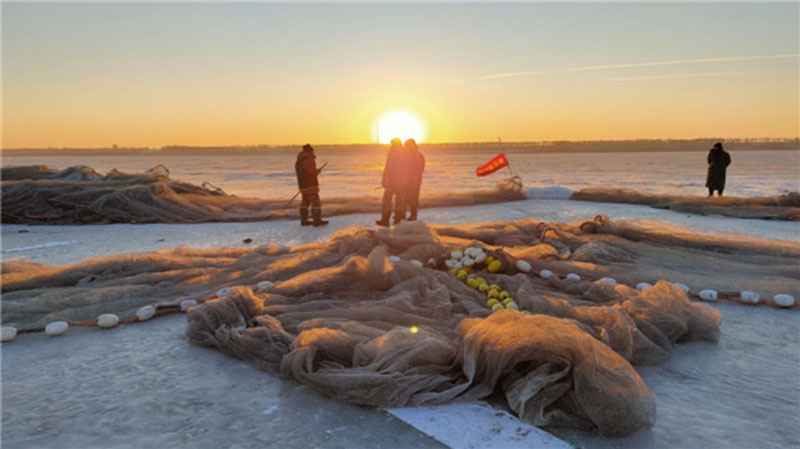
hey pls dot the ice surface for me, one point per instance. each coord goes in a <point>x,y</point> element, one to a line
<point>104,240</point>
<point>166,393</point>
<point>474,425</point>
<point>745,390</point>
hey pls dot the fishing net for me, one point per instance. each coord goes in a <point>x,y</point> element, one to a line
<point>781,207</point>
<point>343,319</point>
<point>80,195</point>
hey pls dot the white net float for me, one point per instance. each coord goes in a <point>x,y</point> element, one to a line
<point>573,277</point>
<point>223,292</point>
<point>394,259</point>
<point>544,274</point>
<point>107,320</point>
<point>643,285</point>
<point>56,328</point>
<point>457,255</point>
<point>683,287</point>
<point>783,300</point>
<point>467,261</point>
<point>749,297</point>
<point>523,266</point>
<point>186,303</point>
<point>480,257</point>
<point>264,284</point>
<point>708,295</point>
<point>145,313</point>
<point>432,261</point>
<point>8,333</point>
<point>416,263</point>
<point>608,280</point>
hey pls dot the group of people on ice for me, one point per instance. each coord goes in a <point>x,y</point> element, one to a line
<point>402,178</point>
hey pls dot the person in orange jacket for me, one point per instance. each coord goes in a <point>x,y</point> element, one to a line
<point>308,183</point>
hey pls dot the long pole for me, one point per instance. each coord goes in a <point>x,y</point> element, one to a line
<point>290,201</point>
<point>509,163</point>
<point>298,192</point>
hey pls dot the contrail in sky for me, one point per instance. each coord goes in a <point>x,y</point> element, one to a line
<point>679,62</point>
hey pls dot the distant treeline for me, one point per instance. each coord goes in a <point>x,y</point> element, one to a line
<point>562,146</point>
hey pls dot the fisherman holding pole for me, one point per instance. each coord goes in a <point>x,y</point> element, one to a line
<point>307,182</point>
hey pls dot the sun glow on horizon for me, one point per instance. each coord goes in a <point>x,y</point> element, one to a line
<point>401,124</point>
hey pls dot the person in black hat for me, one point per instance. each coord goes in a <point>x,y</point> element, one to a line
<point>307,182</point>
<point>718,161</point>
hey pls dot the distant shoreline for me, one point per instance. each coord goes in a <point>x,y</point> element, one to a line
<point>609,146</point>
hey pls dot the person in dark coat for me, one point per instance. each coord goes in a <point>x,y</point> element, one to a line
<point>416,166</point>
<point>394,184</point>
<point>307,172</point>
<point>718,161</point>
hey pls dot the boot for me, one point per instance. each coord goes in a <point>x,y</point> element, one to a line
<point>384,221</point>
<point>318,221</point>
<point>413,215</point>
<point>304,217</point>
<point>399,215</point>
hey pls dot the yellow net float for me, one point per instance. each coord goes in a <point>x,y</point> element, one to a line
<point>494,266</point>
<point>503,295</point>
<point>483,288</point>
<point>492,302</point>
<point>497,307</point>
<point>493,294</point>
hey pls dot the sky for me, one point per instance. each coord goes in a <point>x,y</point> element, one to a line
<point>155,74</point>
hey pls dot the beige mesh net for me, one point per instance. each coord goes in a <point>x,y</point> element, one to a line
<point>343,319</point>
<point>781,207</point>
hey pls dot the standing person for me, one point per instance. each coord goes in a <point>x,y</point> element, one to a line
<point>307,182</point>
<point>416,166</point>
<point>394,183</point>
<point>718,161</point>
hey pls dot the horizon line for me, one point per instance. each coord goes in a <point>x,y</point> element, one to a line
<point>477,142</point>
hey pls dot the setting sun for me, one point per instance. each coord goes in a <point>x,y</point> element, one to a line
<point>399,123</point>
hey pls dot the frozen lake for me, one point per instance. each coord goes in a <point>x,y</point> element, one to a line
<point>741,392</point>
<point>358,172</point>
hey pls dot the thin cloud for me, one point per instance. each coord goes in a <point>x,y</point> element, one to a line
<point>509,75</point>
<point>687,75</point>
<point>680,62</point>
<point>497,76</point>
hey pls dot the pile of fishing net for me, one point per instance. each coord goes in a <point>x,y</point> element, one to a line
<point>80,195</point>
<point>373,317</point>
<point>781,207</point>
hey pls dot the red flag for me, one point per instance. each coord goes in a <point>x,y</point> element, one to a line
<point>492,166</point>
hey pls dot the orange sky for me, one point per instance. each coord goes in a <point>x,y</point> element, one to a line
<point>90,75</point>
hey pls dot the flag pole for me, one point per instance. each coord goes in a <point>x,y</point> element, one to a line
<point>503,151</point>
